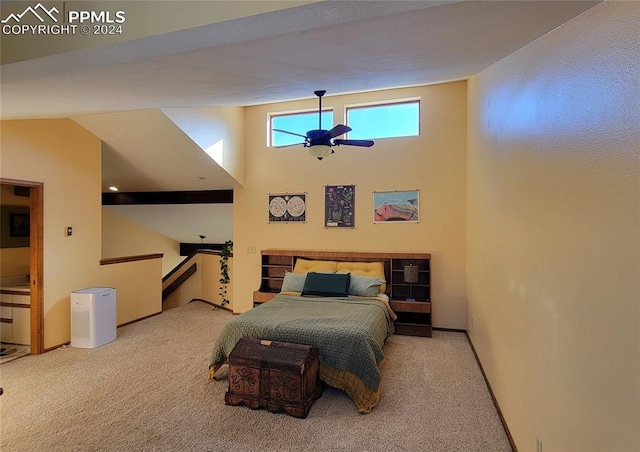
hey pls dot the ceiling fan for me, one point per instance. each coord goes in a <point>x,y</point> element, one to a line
<point>320,142</point>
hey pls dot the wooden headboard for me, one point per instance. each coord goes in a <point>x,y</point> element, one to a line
<point>276,262</point>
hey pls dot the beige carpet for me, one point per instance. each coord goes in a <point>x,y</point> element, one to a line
<point>148,391</point>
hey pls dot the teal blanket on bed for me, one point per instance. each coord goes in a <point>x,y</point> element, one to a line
<point>349,332</point>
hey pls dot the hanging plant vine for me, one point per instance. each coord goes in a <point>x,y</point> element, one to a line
<point>225,252</point>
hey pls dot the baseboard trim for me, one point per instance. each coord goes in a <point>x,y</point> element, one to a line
<point>493,397</point>
<point>453,330</point>
<point>141,318</point>
<point>49,349</point>
<point>212,304</point>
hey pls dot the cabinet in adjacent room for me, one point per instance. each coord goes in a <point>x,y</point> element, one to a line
<point>15,318</point>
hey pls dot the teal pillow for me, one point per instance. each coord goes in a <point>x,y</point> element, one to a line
<point>293,282</point>
<point>327,284</point>
<point>364,286</point>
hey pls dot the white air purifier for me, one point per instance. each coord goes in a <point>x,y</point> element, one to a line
<point>93,317</point>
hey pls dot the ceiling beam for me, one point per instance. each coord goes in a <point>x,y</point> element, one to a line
<point>168,197</point>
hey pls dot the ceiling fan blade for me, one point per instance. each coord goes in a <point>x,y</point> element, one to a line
<point>289,145</point>
<point>290,133</point>
<point>338,130</point>
<point>363,143</point>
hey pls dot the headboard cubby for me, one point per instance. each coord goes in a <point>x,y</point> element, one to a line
<point>410,301</point>
<point>275,263</point>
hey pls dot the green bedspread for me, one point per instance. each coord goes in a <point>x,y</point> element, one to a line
<point>349,332</point>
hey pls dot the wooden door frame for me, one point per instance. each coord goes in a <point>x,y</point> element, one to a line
<point>36,263</point>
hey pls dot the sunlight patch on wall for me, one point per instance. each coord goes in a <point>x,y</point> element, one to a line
<point>216,151</point>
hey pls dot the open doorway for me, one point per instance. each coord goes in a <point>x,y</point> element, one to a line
<point>23,226</point>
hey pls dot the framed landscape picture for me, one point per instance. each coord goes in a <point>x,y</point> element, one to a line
<point>396,206</point>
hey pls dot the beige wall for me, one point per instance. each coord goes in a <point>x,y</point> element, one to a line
<point>66,159</point>
<point>123,237</point>
<point>218,131</point>
<point>554,233</point>
<point>202,285</point>
<point>434,163</point>
<point>138,288</point>
<point>8,198</point>
<point>15,261</point>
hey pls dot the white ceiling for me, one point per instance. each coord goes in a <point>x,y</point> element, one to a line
<point>340,46</point>
<point>117,90</point>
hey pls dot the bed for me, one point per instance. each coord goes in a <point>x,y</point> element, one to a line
<point>339,306</point>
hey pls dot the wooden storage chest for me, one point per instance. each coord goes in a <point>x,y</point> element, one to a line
<point>277,376</point>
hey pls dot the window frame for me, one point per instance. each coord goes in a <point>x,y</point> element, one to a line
<point>391,102</point>
<point>272,115</point>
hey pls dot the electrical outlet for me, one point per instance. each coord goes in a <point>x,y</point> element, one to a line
<point>251,249</point>
<point>68,231</point>
<point>471,322</point>
<point>538,445</point>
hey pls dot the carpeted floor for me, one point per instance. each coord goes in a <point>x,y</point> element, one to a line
<point>148,390</point>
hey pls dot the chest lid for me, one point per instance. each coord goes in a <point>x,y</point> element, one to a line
<point>286,356</point>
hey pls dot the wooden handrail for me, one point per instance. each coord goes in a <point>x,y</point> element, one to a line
<point>118,260</point>
<point>179,280</point>
<point>186,259</point>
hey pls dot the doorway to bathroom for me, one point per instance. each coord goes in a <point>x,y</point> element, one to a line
<point>22,248</point>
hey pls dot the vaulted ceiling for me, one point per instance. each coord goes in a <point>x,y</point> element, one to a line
<point>230,54</point>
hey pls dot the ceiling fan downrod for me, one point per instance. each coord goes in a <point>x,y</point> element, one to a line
<point>320,93</point>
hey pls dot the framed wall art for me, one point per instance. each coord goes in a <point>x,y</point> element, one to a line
<point>288,207</point>
<point>339,206</point>
<point>14,227</point>
<point>396,206</point>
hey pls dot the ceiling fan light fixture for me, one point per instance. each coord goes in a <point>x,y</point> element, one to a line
<point>320,141</point>
<point>320,151</point>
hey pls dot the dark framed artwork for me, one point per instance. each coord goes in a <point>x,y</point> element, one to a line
<point>339,206</point>
<point>18,225</point>
<point>14,227</point>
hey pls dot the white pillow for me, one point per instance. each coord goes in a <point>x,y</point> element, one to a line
<point>364,286</point>
<point>293,282</point>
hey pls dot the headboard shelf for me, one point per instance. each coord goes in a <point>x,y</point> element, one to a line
<point>349,256</point>
<point>414,317</point>
<point>276,262</point>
